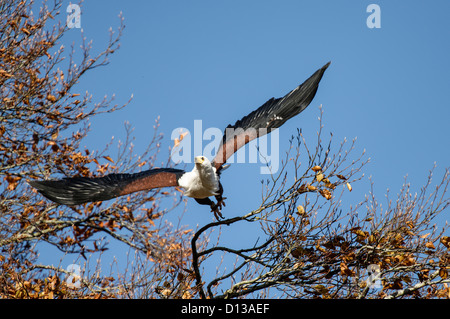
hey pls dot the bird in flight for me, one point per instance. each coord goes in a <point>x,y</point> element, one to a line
<point>203,181</point>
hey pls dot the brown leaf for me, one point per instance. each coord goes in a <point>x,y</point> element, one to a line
<point>79,115</point>
<point>142,164</point>
<point>362,235</point>
<point>55,135</point>
<point>430,245</point>
<point>321,289</point>
<point>319,177</point>
<point>345,270</point>
<point>51,98</point>
<point>349,187</point>
<point>325,193</point>
<point>443,273</point>
<point>330,185</point>
<point>292,219</point>
<point>300,210</point>
<point>12,182</point>
<point>186,295</point>
<point>296,253</point>
<point>108,158</point>
<point>316,168</point>
<point>445,240</point>
<point>302,189</point>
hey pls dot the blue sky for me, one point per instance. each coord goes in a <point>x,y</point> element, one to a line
<point>219,60</point>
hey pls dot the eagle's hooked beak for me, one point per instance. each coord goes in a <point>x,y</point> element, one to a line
<point>199,159</point>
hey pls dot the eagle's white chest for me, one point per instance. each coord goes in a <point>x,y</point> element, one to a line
<point>200,183</point>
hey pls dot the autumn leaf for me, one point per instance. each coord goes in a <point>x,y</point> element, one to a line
<point>12,182</point>
<point>302,189</point>
<point>316,168</point>
<point>349,187</point>
<point>298,252</point>
<point>410,224</point>
<point>443,273</point>
<point>79,115</point>
<point>361,234</point>
<point>186,295</point>
<point>425,236</point>
<point>345,270</point>
<point>330,185</point>
<point>108,158</point>
<point>26,31</point>
<point>321,289</point>
<point>445,240</point>
<point>372,239</point>
<point>292,219</point>
<point>51,98</point>
<point>319,177</point>
<point>177,141</point>
<point>142,164</point>
<point>325,193</point>
<point>300,210</point>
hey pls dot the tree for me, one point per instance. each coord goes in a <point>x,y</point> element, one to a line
<point>42,123</point>
<point>314,247</point>
<point>310,244</point>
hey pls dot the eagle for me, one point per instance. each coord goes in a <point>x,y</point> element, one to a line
<point>203,181</point>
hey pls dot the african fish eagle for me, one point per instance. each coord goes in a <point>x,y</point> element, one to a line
<point>204,179</point>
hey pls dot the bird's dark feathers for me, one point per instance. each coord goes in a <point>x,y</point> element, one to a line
<point>276,111</point>
<point>272,114</point>
<point>79,190</point>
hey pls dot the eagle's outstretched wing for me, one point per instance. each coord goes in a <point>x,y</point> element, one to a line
<point>271,115</point>
<point>79,190</point>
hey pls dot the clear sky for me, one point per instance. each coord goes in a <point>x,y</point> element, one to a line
<point>216,61</point>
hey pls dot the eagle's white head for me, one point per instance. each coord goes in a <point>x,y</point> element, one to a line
<point>202,162</point>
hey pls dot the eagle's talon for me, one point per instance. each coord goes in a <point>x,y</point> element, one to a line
<point>220,204</point>
<point>217,207</point>
<point>216,210</point>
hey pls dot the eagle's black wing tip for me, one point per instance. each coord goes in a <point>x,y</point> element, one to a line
<point>53,191</point>
<point>75,191</point>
